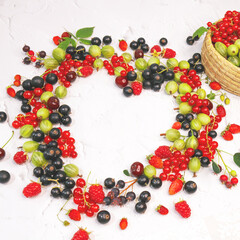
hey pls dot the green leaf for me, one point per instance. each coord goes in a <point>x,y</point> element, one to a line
<point>236,159</point>
<point>84,32</point>
<point>215,167</point>
<point>72,41</point>
<point>85,41</point>
<point>63,45</point>
<point>211,95</point>
<point>199,32</point>
<point>126,172</point>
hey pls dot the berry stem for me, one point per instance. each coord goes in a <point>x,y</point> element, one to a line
<point>223,161</point>
<point>225,152</point>
<point>61,210</point>
<point>8,140</point>
<point>134,181</point>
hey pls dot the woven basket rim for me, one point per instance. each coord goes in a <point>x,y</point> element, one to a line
<point>208,39</point>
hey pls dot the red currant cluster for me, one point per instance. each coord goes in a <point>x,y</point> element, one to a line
<point>173,165</point>
<point>190,77</point>
<point>198,105</point>
<point>233,181</point>
<point>226,30</point>
<point>28,118</point>
<point>82,197</point>
<point>117,62</point>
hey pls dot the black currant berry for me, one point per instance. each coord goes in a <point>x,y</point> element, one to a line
<point>37,82</point>
<point>193,132</point>
<point>66,193</point>
<point>107,200</point>
<point>44,179</point>
<point>133,45</point>
<point>115,191</point>
<point>123,200</point>
<point>189,117</point>
<point>190,187</point>
<point>198,153</point>
<point>204,161</point>
<point>145,48</point>
<point>140,207</point>
<point>163,42</point>
<point>156,182</point>
<point>146,74</point>
<point>143,180</point>
<point>109,183</point>
<point>49,154</point>
<point>80,49</point>
<point>54,118</point>
<point>66,120</point>
<point>27,85</point>
<point>120,184</point>
<point>185,125</point>
<point>131,76</point>
<point>212,134</point>
<point>42,147</point>
<point>96,41</point>
<point>37,136</point>
<point>156,87</point>
<point>70,50</point>
<point>146,84</point>
<point>42,54</point>
<point>145,196</point>
<point>26,108</point>
<point>69,183</point>
<point>130,196</point>
<point>191,62</point>
<point>154,68</point>
<point>38,172</point>
<point>76,57</point>
<point>180,117</point>
<point>199,68</point>
<point>107,40</point>
<point>141,40</point>
<point>58,163</point>
<point>50,170</point>
<point>197,57</point>
<point>26,48</point>
<point>127,91</point>
<point>190,40</point>
<point>64,109</point>
<point>56,192</point>
<point>103,217</point>
<point>55,133</point>
<point>19,94</point>
<point>51,78</point>
<point>3,117</point>
<point>52,144</point>
<point>168,75</point>
<point>27,60</point>
<point>4,176</point>
<point>60,176</point>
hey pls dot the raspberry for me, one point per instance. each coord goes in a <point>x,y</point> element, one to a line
<point>20,157</point>
<point>32,189</point>
<point>85,71</point>
<point>168,53</point>
<point>163,152</point>
<point>137,88</point>
<point>162,210</point>
<point>183,209</point>
<point>96,193</point>
<point>156,50</point>
<point>74,215</point>
<point>155,161</point>
<point>80,235</point>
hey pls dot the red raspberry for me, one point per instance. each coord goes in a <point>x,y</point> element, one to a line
<point>137,88</point>
<point>81,234</point>
<point>74,215</point>
<point>221,111</point>
<point>96,193</point>
<point>123,45</point>
<point>162,210</point>
<point>163,152</point>
<point>183,209</point>
<point>20,157</point>
<point>156,50</point>
<point>32,189</point>
<point>155,161</point>
<point>168,53</point>
<point>85,71</point>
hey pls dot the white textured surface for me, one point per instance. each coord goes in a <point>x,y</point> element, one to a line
<point>112,131</point>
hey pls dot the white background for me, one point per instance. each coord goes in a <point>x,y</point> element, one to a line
<point>111,130</point>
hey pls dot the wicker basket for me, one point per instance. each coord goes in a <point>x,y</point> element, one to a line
<point>218,68</point>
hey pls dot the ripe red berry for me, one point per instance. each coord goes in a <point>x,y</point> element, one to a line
<point>162,210</point>
<point>234,181</point>
<point>123,223</point>
<point>80,182</point>
<point>223,178</point>
<point>183,209</point>
<point>32,189</point>
<point>123,45</point>
<point>20,157</point>
<point>74,215</point>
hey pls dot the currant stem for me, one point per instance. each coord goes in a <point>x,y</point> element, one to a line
<point>135,180</point>
<point>225,152</point>
<point>223,161</point>
<point>61,210</point>
<point>8,140</point>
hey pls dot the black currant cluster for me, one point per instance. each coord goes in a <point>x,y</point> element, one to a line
<point>190,40</point>
<point>195,63</point>
<point>78,53</point>
<point>62,116</point>
<point>140,44</point>
<point>97,41</point>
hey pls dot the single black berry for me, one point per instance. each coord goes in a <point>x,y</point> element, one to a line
<point>193,132</point>
<point>133,45</point>
<point>146,74</point>
<point>66,193</point>
<point>156,182</point>
<point>131,76</point>
<point>115,192</point>
<point>190,187</point>
<point>197,57</point>
<point>143,180</point>
<point>51,78</point>
<point>156,87</point>
<point>42,147</point>
<point>44,179</point>
<point>66,120</point>
<point>27,60</point>
<point>64,109</point>
<point>60,176</point>
<point>107,200</point>
<point>107,40</point>
<point>36,82</point>
<point>56,192</point>
<point>191,62</point>
<point>154,68</point>
<point>38,172</point>
<point>42,54</point>
<point>38,136</point>
<point>4,176</point>
<point>163,41</point>
<point>69,183</point>
<point>180,117</point>
<point>168,75</point>
<point>198,153</point>
<point>145,196</point>
<point>54,133</point>
<point>49,154</point>
<point>199,68</point>
<point>140,207</point>
<point>189,117</point>
<point>190,40</point>
<point>130,196</point>
<point>26,108</point>
<point>212,134</point>
<point>120,184</point>
<point>58,163</point>
<point>103,217</point>
<point>54,118</point>
<point>70,50</point>
<point>77,57</point>
<point>3,117</point>
<point>185,125</point>
<point>109,183</point>
<point>52,144</point>
<point>145,48</point>
<point>26,48</point>
<point>96,41</point>
<point>146,84</point>
<point>50,170</point>
<point>123,200</point>
<point>27,85</point>
<point>141,40</point>
<point>204,161</point>
<point>127,91</point>
<point>80,49</point>
<point>19,94</point>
